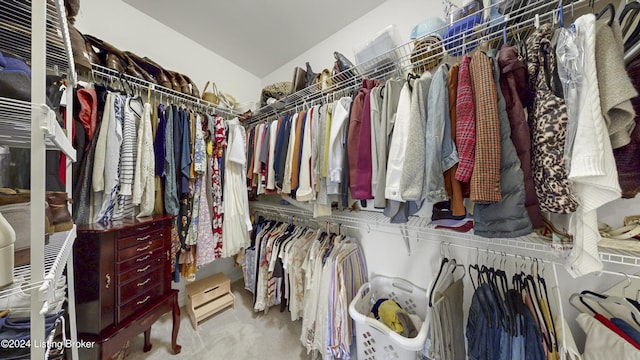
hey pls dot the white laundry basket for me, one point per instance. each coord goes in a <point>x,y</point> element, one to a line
<point>375,340</point>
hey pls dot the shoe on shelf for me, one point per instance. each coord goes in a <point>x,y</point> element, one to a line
<point>16,298</point>
<point>632,219</point>
<point>58,203</point>
<point>627,232</point>
<point>548,231</point>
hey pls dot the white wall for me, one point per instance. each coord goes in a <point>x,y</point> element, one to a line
<point>127,28</point>
<point>405,14</point>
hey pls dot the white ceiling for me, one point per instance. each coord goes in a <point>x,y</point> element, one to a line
<point>258,35</point>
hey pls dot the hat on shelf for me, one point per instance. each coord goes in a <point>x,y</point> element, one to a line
<point>432,26</point>
<point>427,44</point>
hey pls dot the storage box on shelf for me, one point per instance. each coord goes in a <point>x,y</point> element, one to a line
<point>208,296</point>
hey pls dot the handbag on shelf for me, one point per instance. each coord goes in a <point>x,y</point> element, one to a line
<point>218,98</point>
<point>299,79</point>
<point>210,96</point>
<point>343,67</point>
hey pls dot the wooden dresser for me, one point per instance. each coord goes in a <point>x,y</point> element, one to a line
<point>123,283</point>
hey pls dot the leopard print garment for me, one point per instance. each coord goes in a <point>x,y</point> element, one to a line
<point>548,123</point>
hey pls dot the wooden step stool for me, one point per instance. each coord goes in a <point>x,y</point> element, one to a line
<point>208,296</point>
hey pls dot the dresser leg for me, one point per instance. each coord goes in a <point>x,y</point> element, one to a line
<point>147,340</point>
<point>176,326</point>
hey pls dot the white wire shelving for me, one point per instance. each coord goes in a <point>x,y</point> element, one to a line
<point>16,30</point>
<point>420,228</point>
<point>15,122</point>
<point>36,31</point>
<point>112,77</point>
<point>517,21</point>
<point>56,253</point>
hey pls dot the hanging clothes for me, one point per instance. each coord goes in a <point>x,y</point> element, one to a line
<point>144,181</point>
<point>219,144</point>
<point>593,170</point>
<point>548,122</point>
<point>507,218</point>
<point>514,87</point>
<point>358,140</point>
<point>236,224</point>
<point>485,180</point>
<point>106,173</point>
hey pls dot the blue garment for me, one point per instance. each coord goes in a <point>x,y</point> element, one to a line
<point>278,151</point>
<point>177,142</point>
<point>159,146</point>
<point>185,153</point>
<point>171,202</point>
<point>283,154</point>
<point>627,329</point>
<point>304,122</point>
<point>532,338</point>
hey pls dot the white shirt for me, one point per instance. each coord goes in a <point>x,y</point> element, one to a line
<point>144,185</point>
<point>336,145</point>
<point>398,147</point>
<point>305,189</point>
<point>286,182</point>
<point>593,168</point>
<point>273,133</point>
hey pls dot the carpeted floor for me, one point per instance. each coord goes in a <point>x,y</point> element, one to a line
<point>232,334</point>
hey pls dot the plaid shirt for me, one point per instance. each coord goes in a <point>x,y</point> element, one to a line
<point>465,123</point>
<point>485,180</point>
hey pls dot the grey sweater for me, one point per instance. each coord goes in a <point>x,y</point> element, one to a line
<point>616,90</point>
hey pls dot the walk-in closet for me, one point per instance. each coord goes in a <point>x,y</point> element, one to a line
<point>368,180</point>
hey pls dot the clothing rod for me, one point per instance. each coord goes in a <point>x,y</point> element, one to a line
<point>292,219</point>
<point>608,272</point>
<point>114,76</point>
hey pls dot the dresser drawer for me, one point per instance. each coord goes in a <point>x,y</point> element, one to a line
<point>140,302</point>
<point>140,284</point>
<point>143,257</point>
<point>146,247</point>
<point>141,228</point>
<point>140,269</point>
<point>141,238</point>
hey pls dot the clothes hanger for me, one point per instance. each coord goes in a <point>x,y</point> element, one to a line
<point>628,8</point>
<point>606,303</point>
<point>609,8</point>
<point>542,285</point>
<point>443,262</point>
<point>633,39</point>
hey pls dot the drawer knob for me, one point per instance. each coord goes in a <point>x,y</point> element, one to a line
<point>143,258</point>
<point>143,238</point>
<point>144,228</point>
<point>108,280</point>
<point>144,248</point>
<point>144,300</point>
<point>144,269</point>
<point>144,282</point>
